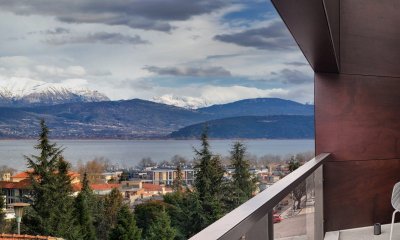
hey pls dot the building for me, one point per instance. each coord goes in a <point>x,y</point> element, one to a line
<point>18,188</point>
<point>168,175</point>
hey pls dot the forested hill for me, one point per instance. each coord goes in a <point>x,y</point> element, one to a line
<point>270,127</point>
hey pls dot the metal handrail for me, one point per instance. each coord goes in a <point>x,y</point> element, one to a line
<point>239,221</point>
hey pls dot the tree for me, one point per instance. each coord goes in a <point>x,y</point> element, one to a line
<point>177,184</point>
<point>107,219</point>
<point>178,160</point>
<point>243,182</point>
<point>51,212</point>
<point>95,166</point>
<point>146,162</point>
<point>84,212</point>
<point>209,179</point>
<point>160,228</point>
<point>2,213</point>
<point>125,228</point>
<point>301,189</point>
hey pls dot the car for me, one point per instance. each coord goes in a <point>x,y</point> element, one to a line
<point>277,218</point>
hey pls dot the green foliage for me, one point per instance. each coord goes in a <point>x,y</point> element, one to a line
<point>243,183</point>
<point>125,228</point>
<point>84,212</point>
<point>208,182</point>
<point>177,184</point>
<point>160,228</point>
<point>52,209</point>
<point>108,210</point>
<point>2,213</point>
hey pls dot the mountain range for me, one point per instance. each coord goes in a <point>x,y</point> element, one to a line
<point>27,92</point>
<point>73,112</point>
<point>130,119</point>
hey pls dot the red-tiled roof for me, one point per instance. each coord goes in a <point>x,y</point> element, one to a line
<point>151,187</point>
<point>24,184</point>
<point>5,236</point>
<point>26,174</point>
<point>104,186</point>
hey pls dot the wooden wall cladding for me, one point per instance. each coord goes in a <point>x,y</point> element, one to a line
<point>357,117</point>
<point>308,23</point>
<point>357,193</point>
<point>369,37</point>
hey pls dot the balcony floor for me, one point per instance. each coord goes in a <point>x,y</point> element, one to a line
<point>364,233</point>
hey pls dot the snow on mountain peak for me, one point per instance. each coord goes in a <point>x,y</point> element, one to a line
<point>28,91</point>
<point>184,102</point>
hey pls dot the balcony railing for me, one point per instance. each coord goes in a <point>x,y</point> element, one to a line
<point>254,218</point>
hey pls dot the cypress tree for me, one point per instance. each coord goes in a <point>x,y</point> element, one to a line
<point>177,185</point>
<point>83,203</point>
<point>243,183</point>
<point>125,228</point>
<point>51,212</point>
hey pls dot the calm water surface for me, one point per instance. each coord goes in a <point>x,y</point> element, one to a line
<point>129,153</point>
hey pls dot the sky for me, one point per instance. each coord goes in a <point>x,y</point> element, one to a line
<point>213,51</point>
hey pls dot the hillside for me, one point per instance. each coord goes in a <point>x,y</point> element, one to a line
<point>130,119</point>
<point>270,127</point>
<point>259,107</point>
<point>119,119</point>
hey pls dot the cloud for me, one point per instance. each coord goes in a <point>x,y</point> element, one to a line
<point>297,63</point>
<point>293,76</point>
<point>190,71</point>
<point>147,15</point>
<point>99,37</point>
<point>274,37</point>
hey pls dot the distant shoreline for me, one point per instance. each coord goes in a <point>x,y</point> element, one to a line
<point>156,139</point>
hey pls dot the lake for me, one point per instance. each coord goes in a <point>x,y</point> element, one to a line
<point>128,153</point>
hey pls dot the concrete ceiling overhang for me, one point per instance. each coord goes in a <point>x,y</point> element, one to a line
<point>315,26</point>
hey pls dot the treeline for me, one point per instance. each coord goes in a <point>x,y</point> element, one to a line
<point>56,212</point>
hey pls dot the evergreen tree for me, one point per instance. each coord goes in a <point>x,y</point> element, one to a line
<point>125,228</point>
<point>243,184</point>
<point>160,228</point>
<point>2,213</point>
<point>208,182</point>
<point>52,210</point>
<point>177,184</point>
<point>109,210</point>
<point>83,203</point>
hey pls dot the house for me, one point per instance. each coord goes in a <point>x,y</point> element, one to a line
<point>168,175</point>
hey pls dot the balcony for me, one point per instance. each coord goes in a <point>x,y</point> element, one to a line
<point>255,219</point>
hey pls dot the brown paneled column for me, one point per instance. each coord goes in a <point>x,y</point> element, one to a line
<point>358,120</point>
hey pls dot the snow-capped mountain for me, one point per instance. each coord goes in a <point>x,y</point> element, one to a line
<point>24,91</point>
<point>184,102</point>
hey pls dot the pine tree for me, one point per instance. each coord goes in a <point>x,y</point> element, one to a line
<point>84,212</point>
<point>243,183</point>
<point>160,228</point>
<point>177,185</point>
<point>208,182</point>
<point>125,228</point>
<point>52,210</point>
<point>209,169</point>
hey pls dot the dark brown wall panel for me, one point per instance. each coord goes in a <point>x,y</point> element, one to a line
<point>357,117</point>
<point>357,193</point>
<point>369,37</point>
<point>307,22</point>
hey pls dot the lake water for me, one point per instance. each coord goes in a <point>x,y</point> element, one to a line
<point>129,153</point>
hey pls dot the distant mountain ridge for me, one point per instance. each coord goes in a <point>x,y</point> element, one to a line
<point>270,127</point>
<point>27,92</point>
<point>125,119</point>
<point>259,107</point>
